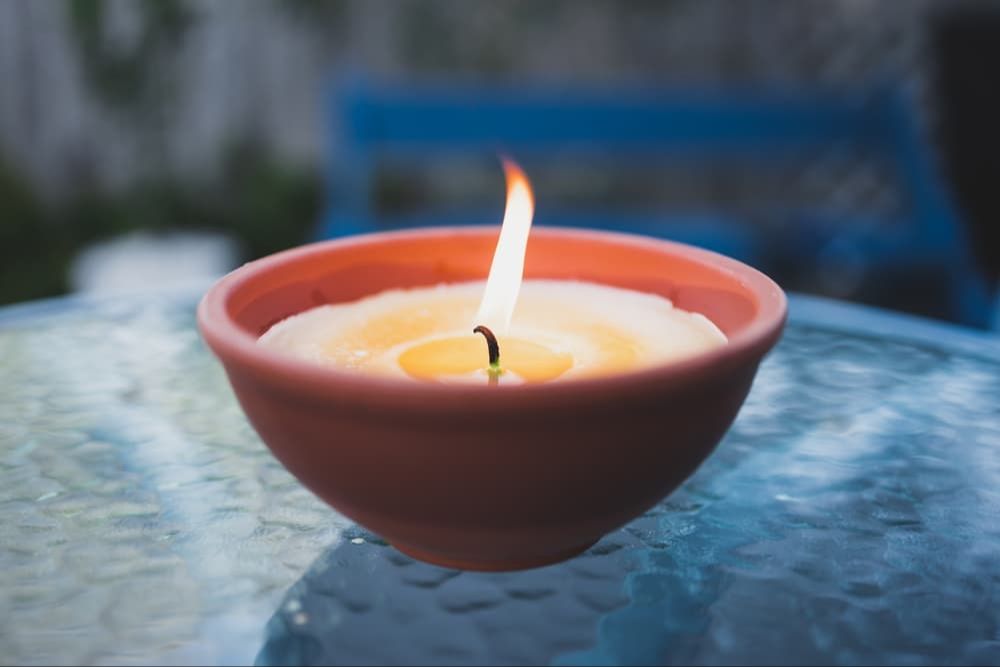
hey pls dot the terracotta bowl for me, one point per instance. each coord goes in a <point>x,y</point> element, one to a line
<point>490,478</point>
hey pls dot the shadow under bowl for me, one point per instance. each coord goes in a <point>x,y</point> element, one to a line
<point>490,478</point>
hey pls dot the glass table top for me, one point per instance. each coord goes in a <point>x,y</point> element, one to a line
<point>851,515</point>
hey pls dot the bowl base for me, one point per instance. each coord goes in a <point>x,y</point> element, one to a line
<point>499,565</point>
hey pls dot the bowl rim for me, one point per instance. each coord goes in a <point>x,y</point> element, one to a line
<point>237,347</point>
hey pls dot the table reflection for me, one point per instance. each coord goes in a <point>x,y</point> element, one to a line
<point>849,517</point>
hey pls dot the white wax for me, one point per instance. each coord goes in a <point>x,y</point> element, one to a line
<point>592,323</point>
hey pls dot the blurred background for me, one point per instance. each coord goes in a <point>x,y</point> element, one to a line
<point>846,147</point>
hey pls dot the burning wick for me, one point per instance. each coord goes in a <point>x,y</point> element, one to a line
<point>507,268</point>
<point>494,351</point>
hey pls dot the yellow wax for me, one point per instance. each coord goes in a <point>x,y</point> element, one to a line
<point>444,357</point>
<point>560,330</point>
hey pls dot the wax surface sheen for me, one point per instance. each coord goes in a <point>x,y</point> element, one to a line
<point>560,330</point>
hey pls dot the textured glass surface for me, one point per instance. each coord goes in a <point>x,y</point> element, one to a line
<point>851,515</point>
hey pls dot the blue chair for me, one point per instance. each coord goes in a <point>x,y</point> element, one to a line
<point>414,123</point>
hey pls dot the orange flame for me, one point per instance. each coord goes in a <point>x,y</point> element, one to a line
<point>507,270</point>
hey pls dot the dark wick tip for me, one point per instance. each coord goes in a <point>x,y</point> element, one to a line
<point>491,344</point>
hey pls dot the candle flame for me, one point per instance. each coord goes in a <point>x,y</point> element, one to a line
<point>507,270</point>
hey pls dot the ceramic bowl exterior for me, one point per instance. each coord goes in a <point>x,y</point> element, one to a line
<point>490,478</point>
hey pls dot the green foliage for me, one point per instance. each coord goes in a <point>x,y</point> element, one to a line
<point>263,205</point>
<point>33,256</point>
<point>318,13</point>
<point>126,78</point>
<point>266,205</point>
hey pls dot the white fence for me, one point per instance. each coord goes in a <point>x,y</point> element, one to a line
<point>258,68</point>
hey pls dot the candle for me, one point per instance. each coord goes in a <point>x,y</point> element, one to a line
<point>544,330</point>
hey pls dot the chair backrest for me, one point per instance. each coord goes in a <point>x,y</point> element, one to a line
<point>400,121</point>
<point>375,122</point>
